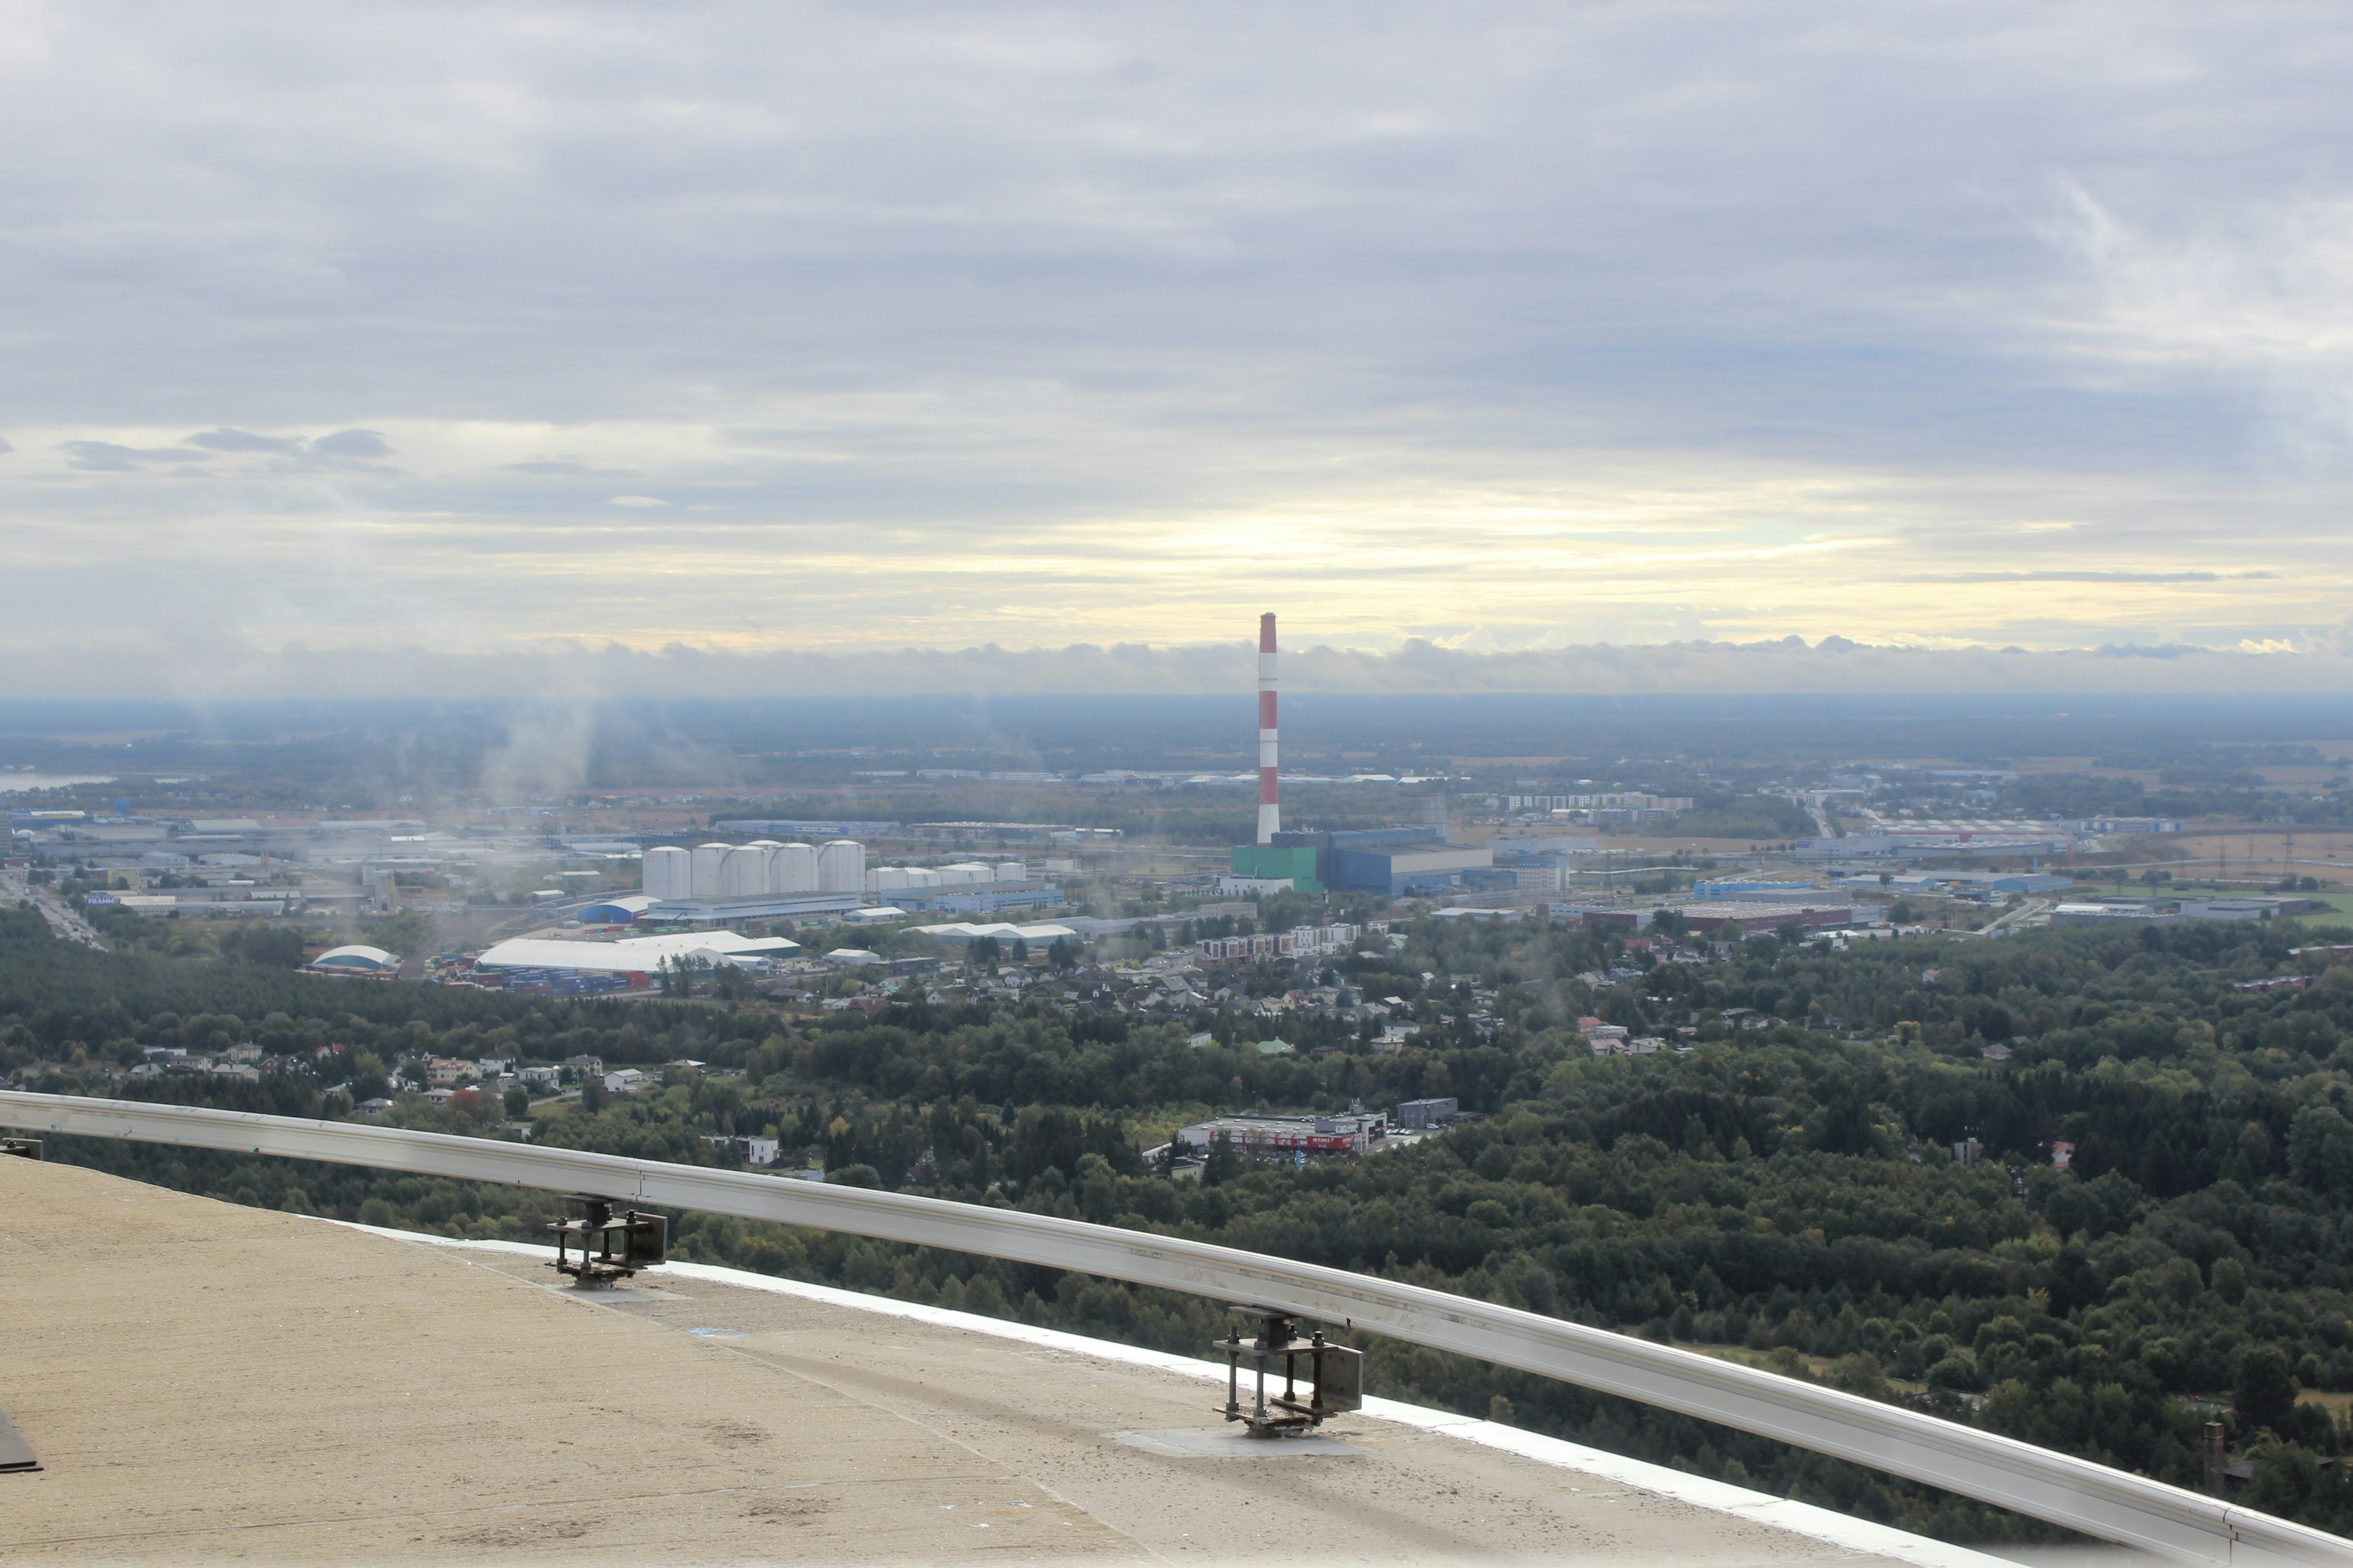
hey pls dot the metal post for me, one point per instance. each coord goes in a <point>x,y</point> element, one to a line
<point>2215,1480</point>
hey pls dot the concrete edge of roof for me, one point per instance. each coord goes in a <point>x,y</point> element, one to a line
<point>1821,1525</point>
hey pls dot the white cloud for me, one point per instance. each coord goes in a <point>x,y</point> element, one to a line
<point>226,440</point>
<point>1029,323</point>
<point>364,444</point>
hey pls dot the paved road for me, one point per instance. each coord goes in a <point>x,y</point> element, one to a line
<point>72,927</point>
<point>2034,912</point>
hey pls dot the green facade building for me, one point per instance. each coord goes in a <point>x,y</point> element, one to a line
<point>1267,860</point>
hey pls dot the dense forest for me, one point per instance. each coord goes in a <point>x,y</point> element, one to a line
<point>1787,1194</point>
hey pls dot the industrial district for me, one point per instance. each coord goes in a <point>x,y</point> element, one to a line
<point>1252,943</point>
<point>1993,1087</point>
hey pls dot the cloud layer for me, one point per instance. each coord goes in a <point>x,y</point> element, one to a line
<point>1508,329</point>
<point>576,673</point>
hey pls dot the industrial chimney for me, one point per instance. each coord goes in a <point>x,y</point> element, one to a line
<point>1270,814</point>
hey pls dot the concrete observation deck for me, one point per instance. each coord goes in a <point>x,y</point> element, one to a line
<point>206,1382</point>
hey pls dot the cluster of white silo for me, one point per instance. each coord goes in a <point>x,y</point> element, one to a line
<point>792,868</point>
<point>963,874</point>
<point>841,866</point>
<point>668,873</point>
<point>761,869</point>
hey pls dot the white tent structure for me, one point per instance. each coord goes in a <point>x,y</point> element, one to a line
<point>635,954</point>
<point>356,959</point>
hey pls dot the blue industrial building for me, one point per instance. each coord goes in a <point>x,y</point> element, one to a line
<point>1325,844</point>
<point>1391,861</point>
<point>1423,868</point>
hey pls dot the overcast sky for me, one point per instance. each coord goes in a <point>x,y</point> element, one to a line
<point>798,327</point>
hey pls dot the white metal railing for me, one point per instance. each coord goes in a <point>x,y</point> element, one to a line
<point>2111,1504</point>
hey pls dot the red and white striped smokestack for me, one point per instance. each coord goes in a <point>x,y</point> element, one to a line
<point>1270,813</point>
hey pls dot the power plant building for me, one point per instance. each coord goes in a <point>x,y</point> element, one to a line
<point>1400,872</point>
<point>1278,862</point>
<point>1392,861</point>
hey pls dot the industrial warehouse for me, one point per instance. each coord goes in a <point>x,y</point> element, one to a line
<point>1371,962</point>
<point>628,964</point>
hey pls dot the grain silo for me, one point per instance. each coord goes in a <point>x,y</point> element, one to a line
<point>668,873</point>
<point>841,867</point>
<point>792,868</point>
<point>708,860</point>
<point>744,874</point>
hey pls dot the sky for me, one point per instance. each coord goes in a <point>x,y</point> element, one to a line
<point>784,337</point>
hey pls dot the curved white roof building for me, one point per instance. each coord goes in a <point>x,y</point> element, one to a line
<point>357,959</point>
<point>632,955</point>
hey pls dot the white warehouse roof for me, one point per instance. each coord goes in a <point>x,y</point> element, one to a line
<point>629,906</point>
<point>965,932</point>
<point>636,954</point>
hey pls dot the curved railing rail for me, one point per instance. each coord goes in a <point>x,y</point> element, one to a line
<point>2110,1504</point>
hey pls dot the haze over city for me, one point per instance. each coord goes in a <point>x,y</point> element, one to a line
<point>772,331</point>
<point>903,784</point>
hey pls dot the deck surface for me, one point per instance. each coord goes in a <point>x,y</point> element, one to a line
<point>206,1382</point>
